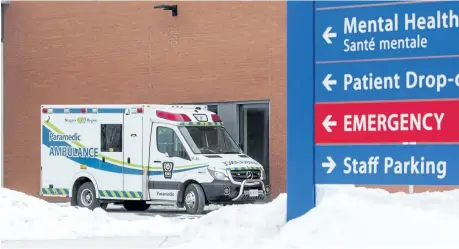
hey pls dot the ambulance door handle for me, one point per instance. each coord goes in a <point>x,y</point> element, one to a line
<point>129,160</point>
<point>157,161</point>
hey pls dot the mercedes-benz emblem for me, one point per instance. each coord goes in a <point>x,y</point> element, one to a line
<point>249,175</point>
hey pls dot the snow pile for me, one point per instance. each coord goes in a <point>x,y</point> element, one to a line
<point>26,217</point>
<point>239,224</point>
<point>345,218</point>
<point>349,217</point>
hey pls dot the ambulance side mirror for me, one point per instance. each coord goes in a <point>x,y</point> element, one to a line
<point>169,150</point>
<point>172,154</point>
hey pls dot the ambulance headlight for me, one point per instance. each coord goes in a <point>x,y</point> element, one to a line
<point>217,173</point>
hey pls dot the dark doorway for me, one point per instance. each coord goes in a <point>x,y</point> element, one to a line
<point>213,108</point>
<point>254,133</point>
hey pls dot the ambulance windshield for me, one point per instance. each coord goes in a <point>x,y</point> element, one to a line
<point>209,140</point>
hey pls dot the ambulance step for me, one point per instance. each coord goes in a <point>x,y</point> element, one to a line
<point>162,202</point>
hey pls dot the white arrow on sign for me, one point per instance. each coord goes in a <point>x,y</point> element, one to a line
<point>330,165</point>
<point>327,35</point>
<point>327,82</point>
<point>328,123</point>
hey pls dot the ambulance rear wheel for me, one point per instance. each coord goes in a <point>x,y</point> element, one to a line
<point>136,205</point>
<point>195,199</point>
<point>86,196</point>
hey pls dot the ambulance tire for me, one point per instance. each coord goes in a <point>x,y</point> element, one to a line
<point>194,199</point>
<point>86,196</point>
<point>136,205</point>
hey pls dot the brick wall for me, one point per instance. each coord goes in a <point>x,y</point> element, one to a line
<point>128,52</point>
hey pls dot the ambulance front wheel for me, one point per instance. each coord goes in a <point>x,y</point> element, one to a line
<point>195,199</point>
<point>86,196</point>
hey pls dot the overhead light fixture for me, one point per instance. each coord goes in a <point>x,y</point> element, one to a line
<point>173,8</point>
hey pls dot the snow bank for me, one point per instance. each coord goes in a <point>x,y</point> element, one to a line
<point>25,217</point>
<point>345,218</point>
<point>238,225</point>
<point>349,217</point>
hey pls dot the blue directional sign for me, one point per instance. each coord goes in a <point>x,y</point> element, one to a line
<point>388,80</point>
<point>384,32</point>
<point>387,164</point>
<point>360,52</point>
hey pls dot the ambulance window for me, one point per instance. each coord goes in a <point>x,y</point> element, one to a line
<point>168,141</point>
<point>111,138</point>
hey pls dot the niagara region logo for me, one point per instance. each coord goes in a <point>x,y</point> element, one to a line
<point>81,120</point>
<point>168,167</point>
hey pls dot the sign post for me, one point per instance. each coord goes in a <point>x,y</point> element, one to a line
<point>385,75</point>
<point>300,108</point>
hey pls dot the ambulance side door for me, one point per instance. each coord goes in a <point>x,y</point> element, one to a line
<point>132,155</point>
<point>167,156</point>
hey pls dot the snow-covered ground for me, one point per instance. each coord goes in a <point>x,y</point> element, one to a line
<point>117,211</point>
<point>346,217</point>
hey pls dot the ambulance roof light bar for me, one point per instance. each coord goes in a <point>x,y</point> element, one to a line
<point>173,116</point>
<point>216,118</point>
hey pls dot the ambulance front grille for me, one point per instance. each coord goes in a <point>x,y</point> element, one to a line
<point>241,175</point>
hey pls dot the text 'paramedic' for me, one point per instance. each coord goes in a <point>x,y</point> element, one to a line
<point>68,151</point>
<point>62,137</point>
<point>394,122</point>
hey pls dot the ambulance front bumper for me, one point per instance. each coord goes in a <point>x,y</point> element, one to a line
<point>233,192</point>
<point>247,192</point>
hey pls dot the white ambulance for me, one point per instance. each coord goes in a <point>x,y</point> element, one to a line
<point>138,155</point>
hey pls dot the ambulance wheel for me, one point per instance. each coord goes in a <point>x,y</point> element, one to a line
<point>195,199</point>
<point>136,205</point>
<point>86,196</point>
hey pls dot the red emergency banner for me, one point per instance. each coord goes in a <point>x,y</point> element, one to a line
<point>387,122</point>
